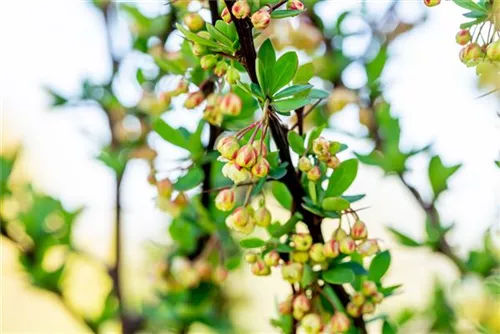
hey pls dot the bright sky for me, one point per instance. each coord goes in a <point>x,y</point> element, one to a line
<point>58,43</point>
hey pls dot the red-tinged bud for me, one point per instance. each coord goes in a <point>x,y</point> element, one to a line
<point>368,308</point>
<point>221,68</point>
<point>300,256</point>
<point>314,174</point>
<point>317,253</point>
<point>225,200</point>
<point>285,307</point>
<point>208,61</point>
<point>311,323</point>
<point>369,288</point>
<point>240,217</point>
<point>292,272</point>
<point>305,164</point>
<point>272,259</point>
<point>261,168</point>
<point>262,217</point>
<point>232,76</point>
<point>228,147</point>
<point>333,162</point>
<point>339,234</point>
<point>204,269</point>
<point>225,15</point>
<point>294,5</point>
<point>194,22</point>
<point>194,99</point>
<point>182,87</point>
<point>181,200</point>
<point>199,50</point>
<point>236,173</point>
<point>213,116</point>
<point>472,52</point>
<point>231,104</point>
<point>432,3</point>
<point>321,146</point>
<point>353,310</point>
<point>347,245</point>
<point>340,323</point>
<point>359,230</point>
<point>378,297</point>
<point>302,241</point>
<point>463,37</point>
<point>368,247</point>
<point>250,257</point>
<point>339,98</point>
<point>259,268</point>
<point>220,275</point>
<point>165,188</point>
<point>358,299</point>
<point>241,220</point>
<point>260,147</point>
<point>246,156</point>
<point>493,51</point>
<point>301,303</point>
<point>241,9</point>
<point>332,249</point>
<point>261,18</point>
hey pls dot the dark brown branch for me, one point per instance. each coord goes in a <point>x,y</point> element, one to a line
<point>214,10</point>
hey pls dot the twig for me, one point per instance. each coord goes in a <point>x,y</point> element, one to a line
<point>303,115</point>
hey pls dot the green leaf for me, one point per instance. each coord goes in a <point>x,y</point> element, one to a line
<point>342,178</point>
<point>296,142</point>
<point>173,136</point>
<point>375,67</point>
<point>261,75</point>
<point>252,243</point>
<point>282,194</point>
<point>333,298</point>
<point>290,91</point>
<point>404,239</point>
<point>387,328</point>
<point>497,163</point>
<point>278,172</point>
<point>283,72</point>
<point>379,266</point>
<point>277,230</point>
<point>192,179</point>
<point>335,204</point>
<point>318,94</point>
<point>470,5</point>
<point>304,74</point>
<point>281,14</point>
<point>340,275</point>
<point>354,198</point>
<point>219,36</point>
<point>439,174</point>
<point>291,104</point>
<point>468,25</point>
<point>267,54</point>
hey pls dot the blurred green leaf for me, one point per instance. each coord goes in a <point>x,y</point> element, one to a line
<point>340,275</point>
<point>192,179</point>
<point>252,243</point>
<point>296,142</point>
<point>403,239</point>
<point>335,204</point>
<point>282,194</point>
<point>439,174</point>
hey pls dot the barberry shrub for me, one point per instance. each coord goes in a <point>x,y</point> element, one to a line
<point>263,137</point>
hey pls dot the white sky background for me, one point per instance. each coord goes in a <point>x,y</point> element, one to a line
<point>58,43</point>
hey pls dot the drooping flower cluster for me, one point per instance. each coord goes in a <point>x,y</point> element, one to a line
<point>165,200</point>
<point>323,150</point>
<point>182,273</point>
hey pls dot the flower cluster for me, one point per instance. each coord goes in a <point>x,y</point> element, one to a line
<point>323,151</point>
<point>165,200</point>
<point>364,302</point>
<point>261,18</point>
<point>182,273</point>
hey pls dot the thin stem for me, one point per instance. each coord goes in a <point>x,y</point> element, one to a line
<point>303,115</point>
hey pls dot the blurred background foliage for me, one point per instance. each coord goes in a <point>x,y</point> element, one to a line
<point>41,228</point>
